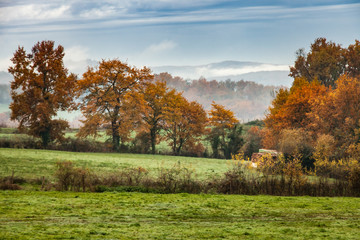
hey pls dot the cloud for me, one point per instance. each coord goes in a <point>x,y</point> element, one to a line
<point>102,12</point>
<point>228,71</point>
<point>76,59</point>
<point>76,14</point>
<point>163,46</point>
<point>32,12</point>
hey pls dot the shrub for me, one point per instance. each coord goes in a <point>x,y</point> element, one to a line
<point>234,180</point>
<point>178,179</point>
<point>20,142</point>
<point>297,143</point>
<point>79,145</point>
<point>71,178</point>
<point>9,186</point>
<point>11,182</point>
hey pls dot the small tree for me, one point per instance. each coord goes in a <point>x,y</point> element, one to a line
<point>225,134</point>
<point>41,87</point>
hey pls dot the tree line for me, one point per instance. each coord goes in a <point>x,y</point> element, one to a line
<point>116,97</point>
<point>317,117</point>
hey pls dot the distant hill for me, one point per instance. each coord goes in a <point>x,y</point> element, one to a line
<point>248,100</point>
<point>260,73</point>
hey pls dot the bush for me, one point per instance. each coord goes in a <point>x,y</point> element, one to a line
<point>297,143</point>
<point>11,182</point>
<point>9,186</point>
<point>178,179</point>
<point>71,178</point>
<point>79,145</point>
<point>20,142</point>
<point>234,180</point>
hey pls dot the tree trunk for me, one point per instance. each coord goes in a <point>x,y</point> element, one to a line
<point>181,141</point>
<point>153,139</point>
<point>45,137</point>
<point>115,136</point>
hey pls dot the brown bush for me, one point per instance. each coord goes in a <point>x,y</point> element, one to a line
<point>71,178</point>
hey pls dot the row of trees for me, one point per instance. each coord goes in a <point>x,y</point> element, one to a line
<point>116,97</point>
<point>319,116</point>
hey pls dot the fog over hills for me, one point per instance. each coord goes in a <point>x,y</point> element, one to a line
<point>261,73</point>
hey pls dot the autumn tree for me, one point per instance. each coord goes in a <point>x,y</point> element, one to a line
<point>338,114</point>
<point>225,134</point>
<point>110,99</point>
<point>325,61</point>
<point>353,59</point>
<point>41,87</point>
<point>290,109</point>
<point>184,122</point>
<point>155,95</point>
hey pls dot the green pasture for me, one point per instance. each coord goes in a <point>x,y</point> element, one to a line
<point>68,215</point>
<point>32,163</point>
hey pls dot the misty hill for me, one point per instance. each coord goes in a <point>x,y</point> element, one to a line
<point>261,73</point>
<point>248,100</point>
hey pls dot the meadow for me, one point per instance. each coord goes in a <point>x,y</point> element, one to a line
<point>69,215</point>
<point>35,163</point>
<point>30,213</point>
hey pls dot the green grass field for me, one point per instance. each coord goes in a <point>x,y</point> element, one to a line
<point>29,214</point>
<point>31,163</point>
<point>66,215</point>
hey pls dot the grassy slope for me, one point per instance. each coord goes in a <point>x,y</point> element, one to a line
<point>31,163</point>
<point>48,215</point>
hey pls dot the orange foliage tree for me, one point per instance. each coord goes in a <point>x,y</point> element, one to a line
<point>290,109</point>
<point>41,87</point>
<point>184,122</point>
<point>338,113</point>
<point>155,95</point>
<point>225,134</point>
<point>111,99</point>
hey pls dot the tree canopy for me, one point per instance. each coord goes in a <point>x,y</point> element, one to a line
<point>110,98</point>
<point>326,62</point>
<point>41,87</point>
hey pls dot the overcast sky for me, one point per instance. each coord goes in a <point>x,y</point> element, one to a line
<point>179,32</point>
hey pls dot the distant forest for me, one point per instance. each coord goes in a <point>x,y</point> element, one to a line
<point>248,100</point>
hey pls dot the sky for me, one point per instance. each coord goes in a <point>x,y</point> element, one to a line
<point>167,32</point>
